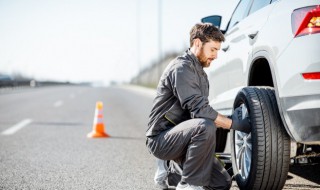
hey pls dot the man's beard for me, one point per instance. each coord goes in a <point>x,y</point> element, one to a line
<point>203,59</point>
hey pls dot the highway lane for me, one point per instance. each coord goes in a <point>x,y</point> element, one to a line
<point>51,150</point>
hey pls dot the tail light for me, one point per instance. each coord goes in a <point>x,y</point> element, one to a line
<point>311,76</point>
<point>306,21</point>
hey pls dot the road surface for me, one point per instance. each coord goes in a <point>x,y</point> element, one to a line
<point>44,144</point>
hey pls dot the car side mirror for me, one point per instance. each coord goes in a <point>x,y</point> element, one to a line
<point>214,19</point>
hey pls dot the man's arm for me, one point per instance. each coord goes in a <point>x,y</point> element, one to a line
<point>223,122</point>
<point>186,87</point>
<point>235,123</point>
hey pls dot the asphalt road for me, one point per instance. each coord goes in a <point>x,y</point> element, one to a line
<point>48,148</point>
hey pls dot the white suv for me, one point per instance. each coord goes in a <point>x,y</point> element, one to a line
<point>270,66</point>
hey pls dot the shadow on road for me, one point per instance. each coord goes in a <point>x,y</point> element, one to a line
<point>309,172</point>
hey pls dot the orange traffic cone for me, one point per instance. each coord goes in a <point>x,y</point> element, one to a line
<point>98,126</point>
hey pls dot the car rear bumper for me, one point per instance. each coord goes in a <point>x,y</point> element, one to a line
<point>299,98</point>
<point>302,117</point>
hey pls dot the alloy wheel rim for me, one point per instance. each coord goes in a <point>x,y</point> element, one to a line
<point>243,148</point>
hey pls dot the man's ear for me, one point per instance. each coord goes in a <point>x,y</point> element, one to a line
<point>197,43</point>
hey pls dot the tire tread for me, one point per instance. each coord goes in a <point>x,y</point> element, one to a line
<point>270,141</point>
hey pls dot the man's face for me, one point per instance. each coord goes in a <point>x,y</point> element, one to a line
<point>208,52</point>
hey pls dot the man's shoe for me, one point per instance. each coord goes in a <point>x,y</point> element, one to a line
<point>188,187</point>
<point>161,184</point>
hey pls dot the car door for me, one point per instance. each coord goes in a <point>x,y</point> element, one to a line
<point>240,38</point>
<point>219,73</point>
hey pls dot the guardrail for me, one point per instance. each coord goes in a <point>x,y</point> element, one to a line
<point>29,83</point>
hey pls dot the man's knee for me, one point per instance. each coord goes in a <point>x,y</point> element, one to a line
<point>207,127</point>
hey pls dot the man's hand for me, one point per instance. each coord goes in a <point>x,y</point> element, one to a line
<point>239,124</point>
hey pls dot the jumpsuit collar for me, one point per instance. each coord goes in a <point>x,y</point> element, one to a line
<point>195,60</point>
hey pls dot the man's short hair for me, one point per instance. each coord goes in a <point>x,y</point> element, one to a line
<point>205,32</point>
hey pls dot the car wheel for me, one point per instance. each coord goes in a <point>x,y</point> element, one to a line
<point>260,159</point>
<point>221,139</point>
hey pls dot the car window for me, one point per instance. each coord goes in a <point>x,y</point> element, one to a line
<point>258,4</point>
<point>240,13</point>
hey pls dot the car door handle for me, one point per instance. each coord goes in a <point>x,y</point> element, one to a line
<point>225,48</point>
<point>253,35</point>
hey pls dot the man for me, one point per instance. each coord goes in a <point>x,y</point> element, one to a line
<point>182,125</point>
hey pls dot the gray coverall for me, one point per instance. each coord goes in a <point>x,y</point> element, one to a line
<point>181,126</point>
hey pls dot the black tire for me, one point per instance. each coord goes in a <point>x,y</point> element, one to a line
<point>270,143</point>
<point>221,136</point>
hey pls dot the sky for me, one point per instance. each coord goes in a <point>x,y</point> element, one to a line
<point>97,40</point>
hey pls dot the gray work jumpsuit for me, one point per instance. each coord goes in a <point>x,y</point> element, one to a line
<point>181,126</point>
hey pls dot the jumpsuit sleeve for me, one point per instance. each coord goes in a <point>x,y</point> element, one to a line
<point>187,88</point>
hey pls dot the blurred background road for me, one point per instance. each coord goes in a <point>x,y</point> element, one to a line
<point>50,150</point>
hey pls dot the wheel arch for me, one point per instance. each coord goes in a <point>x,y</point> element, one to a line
<point>263,60</point>
<point>260,73</point>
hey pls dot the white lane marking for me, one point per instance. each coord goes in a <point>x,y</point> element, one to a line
<point>58,103</point>
<point>17,127</point>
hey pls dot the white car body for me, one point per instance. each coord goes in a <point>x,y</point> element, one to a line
<point>266,37</point>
